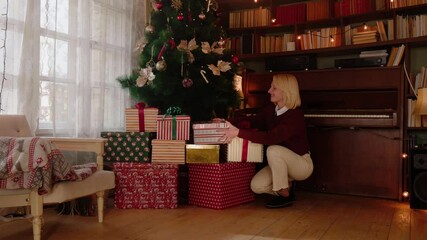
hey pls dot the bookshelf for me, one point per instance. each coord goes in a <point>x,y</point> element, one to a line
<point>338,26</point>
<point>396,24</point>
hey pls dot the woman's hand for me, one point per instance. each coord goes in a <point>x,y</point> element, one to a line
<point>229,133</point>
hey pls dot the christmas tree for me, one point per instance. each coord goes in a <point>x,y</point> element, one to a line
<point>183,62</point>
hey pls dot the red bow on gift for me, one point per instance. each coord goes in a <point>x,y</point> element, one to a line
<point>141,106</point>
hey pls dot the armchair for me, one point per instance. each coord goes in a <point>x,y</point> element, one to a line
<point>97,183</point>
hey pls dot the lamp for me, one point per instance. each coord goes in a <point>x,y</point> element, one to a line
<point>420,110</point>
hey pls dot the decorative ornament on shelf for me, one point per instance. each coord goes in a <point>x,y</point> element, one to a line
<point>187,82</point>
<point>180,17</point>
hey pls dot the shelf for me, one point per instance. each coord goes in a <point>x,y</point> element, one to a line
<point>340,22</point>
<point>416,129</point>
<point>333,51</point>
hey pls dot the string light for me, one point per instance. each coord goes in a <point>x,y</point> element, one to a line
<point>405,194</point>
<point>273,20</point>
<point>255,1</point>
<point>4,53</point>
<point>331,36</point>
<point>404,155</point>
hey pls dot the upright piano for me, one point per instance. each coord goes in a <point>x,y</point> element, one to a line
<point>355,125</point>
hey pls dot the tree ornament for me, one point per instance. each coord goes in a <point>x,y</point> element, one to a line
<point>177,4</point>
<point>180,17</point>
<point>207,49</point>
<point>221,42</point>
<point>187,82</point>
<point>159,5</point>
<point>213,5</point>
<point>146,76</point>
<point>221,66</point>
<point>161,65</point>
<point>218,14</point>
<point>140,44</point>
<point>202,16</point>
<point>235,59</point>
<point>203,73</point>
<point>170,44</point>
<point>188,47</point>
<point>149,29</point>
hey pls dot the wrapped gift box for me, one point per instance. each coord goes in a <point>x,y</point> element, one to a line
<point>219,186</point>
<point>168,151</point>
<point>127,146</point>
<point>242,150</point>
<point>207,132</point>
<point>145,185</point>
<point>202,153</point>
<point>141,120</point>
<point>173,127</point>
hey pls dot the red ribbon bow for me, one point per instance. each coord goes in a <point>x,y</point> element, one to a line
<point>141,106</point>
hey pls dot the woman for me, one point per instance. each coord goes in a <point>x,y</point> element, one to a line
<point>282,128</point>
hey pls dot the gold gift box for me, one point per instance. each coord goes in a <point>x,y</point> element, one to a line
<point>200,153</point>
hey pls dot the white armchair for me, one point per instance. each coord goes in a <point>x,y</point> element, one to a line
<point>98,182</point>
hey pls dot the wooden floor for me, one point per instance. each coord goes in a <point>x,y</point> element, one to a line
<point>313,216</point>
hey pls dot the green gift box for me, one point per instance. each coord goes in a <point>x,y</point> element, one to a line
<point>128,146</point>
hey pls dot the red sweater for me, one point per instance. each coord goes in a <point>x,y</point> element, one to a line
<point>288,130</point>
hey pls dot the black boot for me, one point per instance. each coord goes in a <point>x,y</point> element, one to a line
<point>280,201</point>
<point>292,191</point>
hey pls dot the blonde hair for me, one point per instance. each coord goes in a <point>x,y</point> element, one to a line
<point>288,84</point>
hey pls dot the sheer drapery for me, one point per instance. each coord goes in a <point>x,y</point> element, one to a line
<point>62,59</point>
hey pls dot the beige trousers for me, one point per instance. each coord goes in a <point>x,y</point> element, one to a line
<point>283,166</point>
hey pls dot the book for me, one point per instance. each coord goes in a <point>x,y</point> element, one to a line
<point>399,55</point>
<point>392,56</point>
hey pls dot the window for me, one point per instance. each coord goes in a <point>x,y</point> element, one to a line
<point>77,49</point>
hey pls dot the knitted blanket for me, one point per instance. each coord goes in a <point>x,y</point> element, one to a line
<point>36,163</point>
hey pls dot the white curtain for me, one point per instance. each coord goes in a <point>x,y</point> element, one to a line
<point>62,61</point>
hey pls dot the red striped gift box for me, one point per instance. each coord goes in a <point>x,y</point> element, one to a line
<point>173,127</point>
<point>207,133</point>
<point>242,150</point>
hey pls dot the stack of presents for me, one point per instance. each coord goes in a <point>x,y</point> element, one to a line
<point>147,157</point>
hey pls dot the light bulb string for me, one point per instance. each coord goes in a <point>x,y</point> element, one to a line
<point>331,36</point>
<point>3,46</point>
